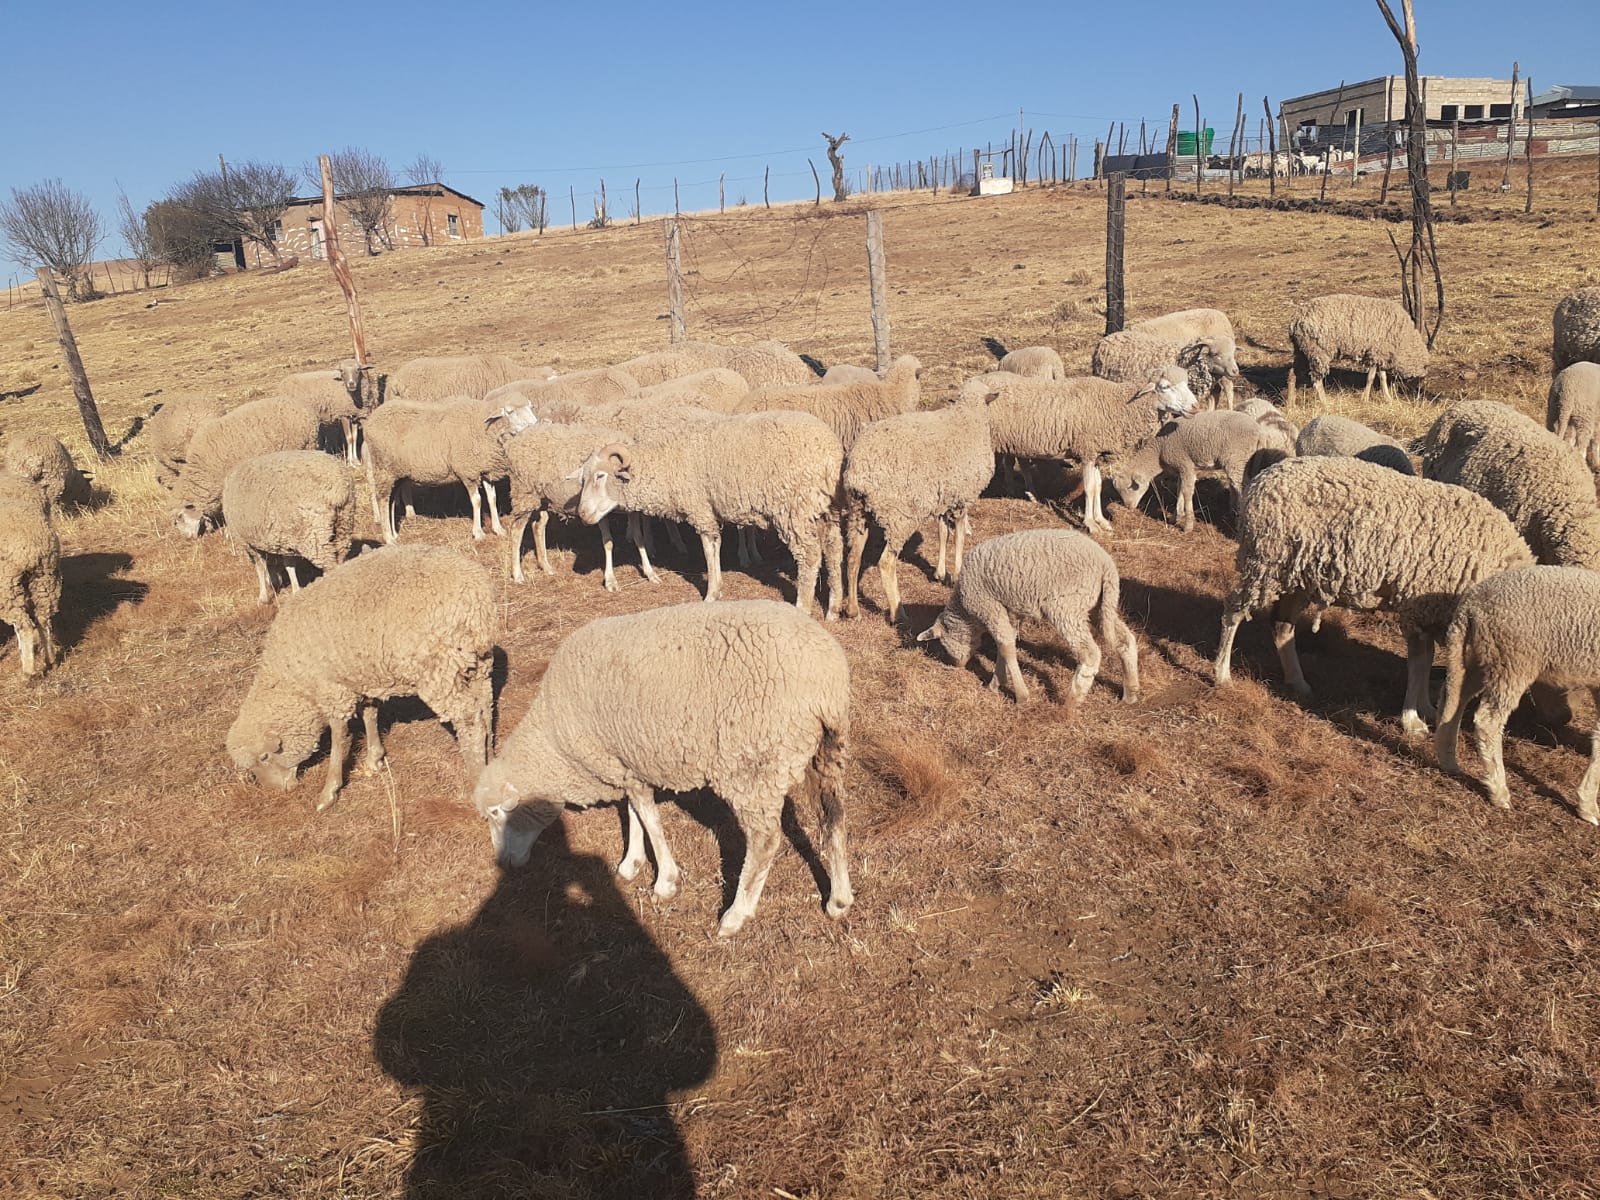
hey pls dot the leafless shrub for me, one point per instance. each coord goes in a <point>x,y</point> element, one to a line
<point>364,185</point>
<point>245,201</point>
<point>425,169</point>
<point>50,225</point>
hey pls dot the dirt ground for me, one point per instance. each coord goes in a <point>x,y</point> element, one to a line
<point>1214,943</point>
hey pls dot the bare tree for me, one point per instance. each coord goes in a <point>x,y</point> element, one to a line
<point>50,225</point>
<point>245,200</point>
<point>425,169</point>
<point>840,191</point>
<point>522,207</point>
<point>136,233</point>
<point>183,239</point>
<point>364,185</point>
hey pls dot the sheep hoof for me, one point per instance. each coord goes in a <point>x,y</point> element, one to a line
<point>1130,697</point>
<point>730,924</point>
<point>665,889</point>
<point>839,905</point>
<point>324,804</point>
<point>627,870</point>
<point>373,765</point>
<point>612,585</point>
<point>1413,726</point>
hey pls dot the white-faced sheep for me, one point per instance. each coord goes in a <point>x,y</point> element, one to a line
<point>1539,625</point>
<point>846,407</point>
<point>775,470</point>
<point>399,621</point>
<point>1572,412</point>
<point>334,393</point>
<point>1577,328</point>
<point>1057,575</point>
<point>1086,419</point>
<point>1523,470</point>
<point>747,698</point>
<point>1130,356</point>
<point>169,429</point>
<point>1035,362</point>
<point>220,444</point>
<point>427,380</point>
<point>30,571</point>
<point>1331,434</point>
<point>1318,532</point>
<point>1361,331</point>
<point>1185,326</point>
<point>1223,441</point>
<point>45,462</point>
<point>905,469</point>
<point>289,506</point>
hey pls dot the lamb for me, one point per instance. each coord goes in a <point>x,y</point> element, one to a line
<point>1360,330</point>
<point>716,388</point>
<point>1130,356</point>
<point>676,361</point>
<point>45,462</point>
<point>169,429</point>
<point>1058,575</point>
<point>335,396</point>
<point>1209,441</point>
<point>295,504</point>
<point>30,572</point>
<point>1035,362</point>
<point>1330,434</point>
<point>905,469</point>
<point>747,698</point>
<point>769,469</point>
<point>850,373</point>
<point>1271,415</point>
<point>846,407</point>
<point>1083,418</point>
<point>424,380</point>
<point>1538,625</point>
<point>400,621</point>
<point>581,387</point>
<point>769,364</point>
<point>1577,328</point>
<point>219,444</point>
<point>1323,531</point>
<point>1526,472</point>
<point>1572,412</point>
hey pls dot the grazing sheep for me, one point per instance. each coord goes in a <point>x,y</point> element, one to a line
<point>1130,356</point>
<point>295,504</point>
<point>779,470</point>
<point>1573,410</point>
<point>1189,324</point>
<point>769,364</point>
<point>676,361</point>
<point>581,387</point>
<point>218,445</point>
<point>1035,362</point>
<point>399,621</point>
<point>169,429</point>
<point>1323,531</point>
<point>1084,418</point>
<point>1539,625</point>
<point>1058,575</point>
<point>1270,415</point>
<point>1362,331</point>
<point>846,407</point>
<point>1525,471</point>
<point>334,394</point>
<point>717,389</point>
<point>30,572</point>
<point>1223,441</point>
<point>1331,434</point>
<point>747,698</point>
<point>849,373</point>
<point>1577,328</point>
<point>45,462</point>
<point>903,470</point>
<point>428,380</point>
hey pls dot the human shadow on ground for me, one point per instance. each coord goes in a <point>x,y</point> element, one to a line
<point>547,1037</point>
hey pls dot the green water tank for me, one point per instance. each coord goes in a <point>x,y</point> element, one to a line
<point>1186,141</point>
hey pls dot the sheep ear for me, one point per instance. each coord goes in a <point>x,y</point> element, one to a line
<point>510,794</point>
<point>931,632</point>
<point>575,476</point>
<point>991,397</point>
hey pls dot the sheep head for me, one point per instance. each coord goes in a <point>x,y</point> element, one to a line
<point>605,478</point>
<point>1217,354</point>
<point>1170,389</point>
<point>512,419</point>
<point>955,631</point>
<point>515,821</point>
<point>260,754</point>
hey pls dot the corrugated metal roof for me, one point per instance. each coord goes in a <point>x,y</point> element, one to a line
<point>1567,91</point>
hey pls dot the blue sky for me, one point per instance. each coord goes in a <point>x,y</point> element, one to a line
<point>561,94</point>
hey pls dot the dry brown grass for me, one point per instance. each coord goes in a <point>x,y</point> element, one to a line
<point>1213,943</point>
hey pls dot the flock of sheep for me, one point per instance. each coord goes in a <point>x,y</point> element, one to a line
<point>751,699</point>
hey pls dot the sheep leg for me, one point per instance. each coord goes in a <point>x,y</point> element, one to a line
<point>1232,618</point>
<point>27,645</point>
<point>856,524</point>
<point>492,500</point>
<point>540,547</point>
<point>1322,396</point>
<point>1116,631</point>
<point>1093,515</point>
<point>944,537</point>
<point>519,525</point>
<point>1073,627</point>
<point>1284,616</point>
<point>1227,390</point>
<point>676,539</point>
<point>894,541</point>
<point>294,576</point>
<point>833,557</point>
<point>805,544</point>
<point>749,549</point>
<point>1419,709</point>
<point>375,752</point>
<point>1447,734</point>
<point>1366,392</point>
<point>828,774</point>
<point>639,531</point>
<point>610,577</point>
<point>477,510</point>
<point>1007,673</point>
<point>263,578</point>
<point>408,498</point>
<point>643,803</point>
<point>338,751</point>
<point>712,546</point>
<point>347,427</point>
<point>633,844</point>
<point>763,835</point>
<point>1489,726</point>
<point>961,545</point>
<point>1187,477</point>
<point>1383,385</point>
<point>1587,790</point>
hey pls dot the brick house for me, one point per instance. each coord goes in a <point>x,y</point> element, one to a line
<point>1377,102</point>
<point>427,214</point>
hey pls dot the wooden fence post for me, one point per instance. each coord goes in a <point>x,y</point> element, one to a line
<point>1236,143</point>
<point>572,198</point>
<point>766,178</point>
<point>1116,232</point>
<point>347,285</point>
<point>638,210</point>
<point>1199,144</point>
<point>1388,164</point>
<point>1455,145</point>
<point>722,197</point>
<point>878,282</point>
<point>1272,148</point>
<point>80,380</point>
<point>1511,129</point>
<point>815,178</point>
<point>1528,155</point>
<point>675,282</point>
<point>1172,148</point>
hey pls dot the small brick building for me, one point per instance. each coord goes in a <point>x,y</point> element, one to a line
<point>428,214</point>
<point>1376,102</point>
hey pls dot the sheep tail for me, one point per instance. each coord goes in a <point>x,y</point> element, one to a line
<point>1454,699</point>
<point>824,780</point>
<point>1110,602</point>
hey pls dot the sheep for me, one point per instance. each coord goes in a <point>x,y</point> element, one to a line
<point>169,429</point>
<point>1572,412</point>
<point>849,373</point>
<point>335,395</point>
<point>1577,328</point>
<point>1058,575</point>
<point>1209,441</point>
<point>1270,415</point>
<point>581,387</point>
<point>1526,472</point>
<point>1130,355</point>
<point>399,621</point>
<point>677,360</point>
<point>259,427</point>
<point>423,380</point>
<point>846,407</point>
<point>903,470</point>
<point>777,469</point>
<point>294,504</point>
<point>1185,326</point>
<point>30,572</point>
<point>1330,434</point>
<point>716,388</point>
<point>769,364</point>
<point>1327,531</point>
<point>747,698</point>
<point>1539,625</point>
<point>1082,418</point>
<point>45,462</point>
<point>1361,330</point>
<point>1034,362</point>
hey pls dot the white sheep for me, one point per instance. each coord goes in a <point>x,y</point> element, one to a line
<point>1186,326</point>
<point>904,470</point>
<point>1331,434</point>
<point>580,387</point>
<point>717,389</point>
<point>1223,441</point>
<point>1577,328</point>
<point>846,407</point>
<point>1362,331</point>
<point>747,698</point>
<point>676,361</point>
<point>1131,355</point>
<point>1035,362</point>
<point>291,505</point>
<point>849,373</point>
<point>334,394</point>
<point>30,571</point>
<point>169,430</point>
<point>219,444</point>
<point>398,621</point>
<point>1538,625</point>
<point>1572,412</point>
<point>424,380</point>
<point>1056,575</point>
<point>769,364</point>
<point>43,461</point>
<point>1323,531</point>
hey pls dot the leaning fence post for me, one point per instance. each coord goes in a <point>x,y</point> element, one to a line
<point>675,282</point>
<point>880,289</point>
<point>341,275</point>
<point>1116,232</point>
<point>80,379</point>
